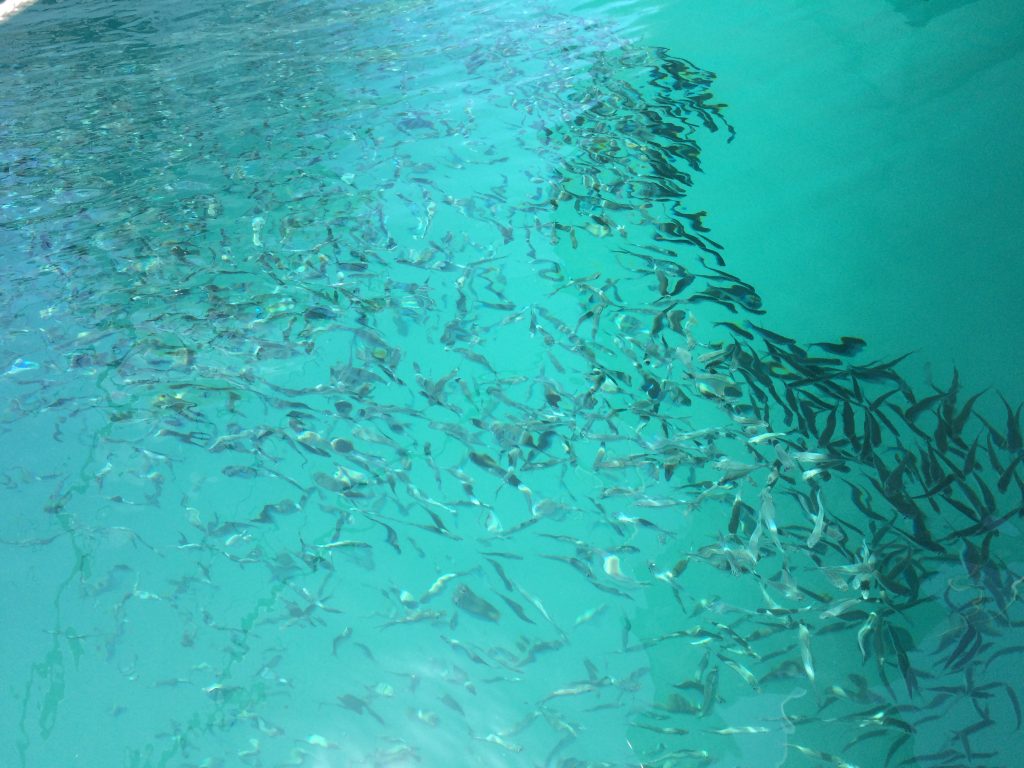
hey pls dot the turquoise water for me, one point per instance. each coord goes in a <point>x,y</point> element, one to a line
<point>462,384</point>
<point>875,183</point>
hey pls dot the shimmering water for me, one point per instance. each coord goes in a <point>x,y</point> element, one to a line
<point>376,393</point>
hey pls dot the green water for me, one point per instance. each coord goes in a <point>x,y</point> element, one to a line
<point>876,182</point>
<point>405,384</point>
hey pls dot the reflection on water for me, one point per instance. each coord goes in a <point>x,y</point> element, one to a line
<point>373,395</point>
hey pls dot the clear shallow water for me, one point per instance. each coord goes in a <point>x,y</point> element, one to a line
<point>366,403</point>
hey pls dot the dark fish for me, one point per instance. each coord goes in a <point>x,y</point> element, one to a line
<point>488,463</point>
<point>849,346</point>
<point>771,335</point>
<point>863,504</point>
<point>830,427</point>
<point>501,574</point>
<point>238,471</point>
<point>517,609</point>
<point>970,458</point>
<point>913,412</point>
<point>470,653</point>
<point>1012,695</point>
<point>970,643</point>
<point>901,640</point>
<point>448,701</point>
<point>942,485</point>
<point>474,605</point>
<point>1013,431</point>
<point>895,747</point>
<point>392,537</point>
<point>342,445</point>
<point>357,705</point>
<point>849,426</point>
<point>280,508</point>
<point>960,420</point>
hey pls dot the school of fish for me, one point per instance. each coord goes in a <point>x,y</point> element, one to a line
<point>372,396</point>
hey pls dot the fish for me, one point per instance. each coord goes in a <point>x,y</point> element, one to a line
<point>437,586</point>
<point>473,604</point>
<point>400,344</point>
<point>710,692</point>
<point>862,633</point>
<point>804,641</point>
<point>848,346</point>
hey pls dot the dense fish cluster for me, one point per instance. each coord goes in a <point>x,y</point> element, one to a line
<point>371,397</point>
